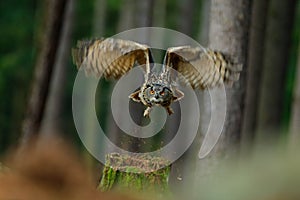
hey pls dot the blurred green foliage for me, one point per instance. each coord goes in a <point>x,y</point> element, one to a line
<point>17,51</point>
<point>292,69</point>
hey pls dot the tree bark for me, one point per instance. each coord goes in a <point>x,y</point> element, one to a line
<point>186,19</point>
<point>126,21</point>
<point>183,169</point>
<point>295,119</point>
<point>43,69</point>
<point>203,33</point>
<point>98,31</point>
<point>144,13</point>
<point>255,63</point>
<point>280,21</point>
<point>228,33</point>
<point>127,15</point>
<point>99,18</point>
<point>159,13</point>
<point>52,120</point>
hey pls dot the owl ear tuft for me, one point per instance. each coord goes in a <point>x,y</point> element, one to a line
<point>135,96</point>
<point>178,95</point>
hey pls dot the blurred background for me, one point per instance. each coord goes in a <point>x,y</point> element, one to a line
<point>37,74</point>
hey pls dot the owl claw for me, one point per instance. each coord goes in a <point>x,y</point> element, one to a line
<point>169,110</point>
<point>147,112</point>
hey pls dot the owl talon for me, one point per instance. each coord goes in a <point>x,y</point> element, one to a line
<point>169,110</point>
<point>147,112</point>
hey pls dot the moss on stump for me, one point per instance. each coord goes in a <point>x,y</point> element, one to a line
<point>135,172</point>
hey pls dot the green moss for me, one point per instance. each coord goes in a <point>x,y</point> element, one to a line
<point>138,173</point>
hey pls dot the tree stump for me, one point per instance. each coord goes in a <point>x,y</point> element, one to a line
<point>135,173</point>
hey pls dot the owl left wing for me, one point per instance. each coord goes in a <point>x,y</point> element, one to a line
<point>201,68</point>
<point>110,57</point>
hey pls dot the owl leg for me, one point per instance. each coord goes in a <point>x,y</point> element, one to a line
<point>147,111</point>
<point>169,110</point>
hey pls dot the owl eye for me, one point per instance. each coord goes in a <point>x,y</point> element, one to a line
<point>151,91</point>
<point>162,93</point>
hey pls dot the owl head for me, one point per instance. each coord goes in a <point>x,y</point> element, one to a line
<point>156,94</point>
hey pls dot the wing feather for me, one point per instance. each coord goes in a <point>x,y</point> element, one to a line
<point>201,68</point>
<point>110,57</point>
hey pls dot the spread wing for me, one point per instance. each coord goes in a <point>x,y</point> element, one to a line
<point>201,68</point>
<point>110,57</point>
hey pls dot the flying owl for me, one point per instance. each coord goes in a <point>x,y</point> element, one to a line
<point>198,67</point>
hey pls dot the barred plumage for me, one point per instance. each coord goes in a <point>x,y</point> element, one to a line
<point>198,67</point>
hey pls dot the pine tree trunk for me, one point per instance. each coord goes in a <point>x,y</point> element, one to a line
<point>295,119</point>
<point>43,69</point>
<point>255,63</point>
<point>228,33</point>
<point>203,33</point>
<point>133,14</point>
<point>183,169</point>
<point>186,21</point>
<point>52,120</point>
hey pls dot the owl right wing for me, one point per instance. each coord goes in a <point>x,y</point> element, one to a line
<point>110,57</point>
<point>202,68</point>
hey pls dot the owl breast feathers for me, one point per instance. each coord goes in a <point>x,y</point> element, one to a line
<point>198,67</point>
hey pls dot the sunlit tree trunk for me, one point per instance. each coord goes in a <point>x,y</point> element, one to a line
<point>228,33</point>
<point>43,69</point>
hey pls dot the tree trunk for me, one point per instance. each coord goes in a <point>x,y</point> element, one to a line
<point>203,33</point>
<point>183,169</point>
<point>126,21</point>
<point>278,32</point>
<point>135,173</point>
<point>52,119</point>
<point>43,69</point>
<point>98,31</point>
<point>255,63</point>
<point>143,13</point>
<point>159,13</point>
<point>127,15</point>
<point>99,18</point>
<point>228,33</point>
<point>186,17</point>
<point>295,119</point>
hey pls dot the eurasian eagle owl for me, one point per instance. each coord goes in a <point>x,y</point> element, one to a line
<point>198,67</point>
